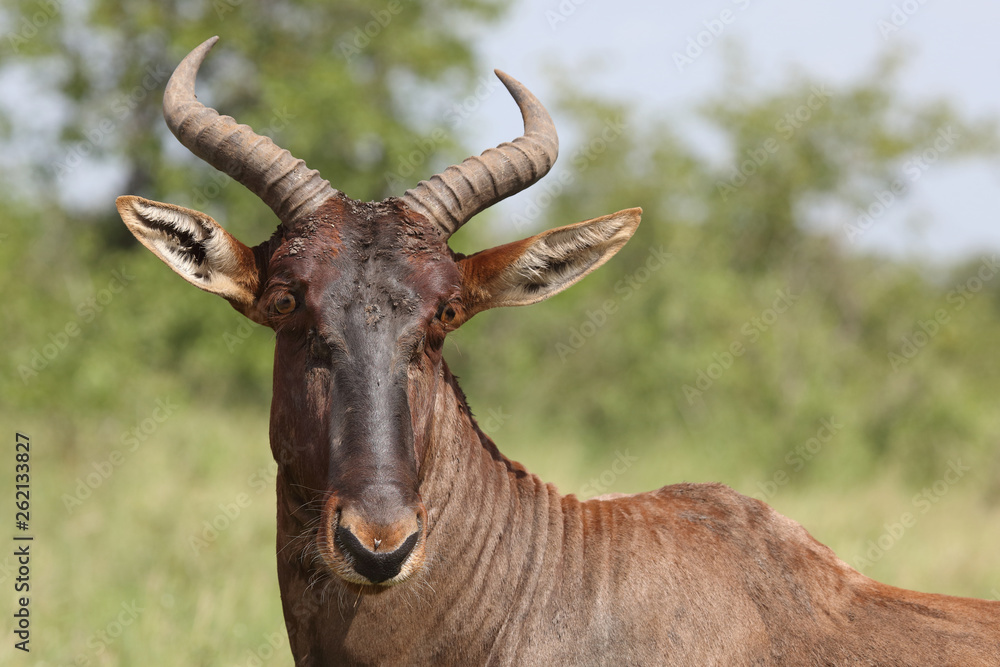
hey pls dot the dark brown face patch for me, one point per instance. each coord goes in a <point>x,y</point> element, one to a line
<point>353,294</point>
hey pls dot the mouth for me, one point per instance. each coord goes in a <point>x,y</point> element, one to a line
<point>384,568</point>
<point>372,554</point>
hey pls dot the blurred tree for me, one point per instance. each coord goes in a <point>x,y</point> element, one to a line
<point>764,319</point>
<point>811,150</point>
<point>329,81</point>
<point>332,82</point>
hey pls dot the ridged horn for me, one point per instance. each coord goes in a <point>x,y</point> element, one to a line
<point>284,183</point>
<point>452,197</point>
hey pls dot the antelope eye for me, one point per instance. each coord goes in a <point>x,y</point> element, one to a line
<point>285,303</point>
<point>447,313</point>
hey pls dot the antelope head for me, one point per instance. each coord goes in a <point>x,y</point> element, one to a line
<point>360,296</point>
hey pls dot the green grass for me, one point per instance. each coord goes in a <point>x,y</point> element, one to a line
<point>117,579</point>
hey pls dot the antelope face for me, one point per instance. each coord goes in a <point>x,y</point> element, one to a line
<point>357,303</point>
<point>361,296</point>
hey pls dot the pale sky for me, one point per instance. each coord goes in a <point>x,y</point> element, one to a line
<point>953,48</point>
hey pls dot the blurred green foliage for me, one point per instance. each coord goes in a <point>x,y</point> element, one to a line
<point>631,358</point>
<point>721,344</point>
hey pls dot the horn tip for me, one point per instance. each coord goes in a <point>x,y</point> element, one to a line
<point>202,49</point>
<point>507,79</point>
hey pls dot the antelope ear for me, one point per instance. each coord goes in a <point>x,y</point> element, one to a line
<point>536,268</point>
<point>196,247</point>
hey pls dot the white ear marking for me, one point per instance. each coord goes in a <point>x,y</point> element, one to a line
<point>549,262</point>
<point>194,245</point>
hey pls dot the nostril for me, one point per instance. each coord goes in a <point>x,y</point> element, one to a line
<point>374,566</point>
